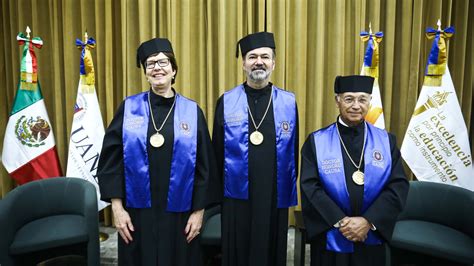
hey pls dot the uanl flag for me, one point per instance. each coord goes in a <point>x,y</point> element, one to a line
<point>29,150</point>
<point>87,131</point>
<point>436,144</point>
<point>371,68</point>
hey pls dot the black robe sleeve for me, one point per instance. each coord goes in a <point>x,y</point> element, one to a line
<point>384,210</point>
<point>204,158</point>
<point>297,139</point>
<point>217,185</point>
<point>110,170</point>
<point>320,212</point>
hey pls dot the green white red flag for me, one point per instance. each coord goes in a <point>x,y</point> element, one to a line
<point>29,150</point>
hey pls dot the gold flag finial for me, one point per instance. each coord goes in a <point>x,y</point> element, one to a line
<point>439,24</point>
<point>86,37</point>
<point>28,32</point>
<point>370,28</point>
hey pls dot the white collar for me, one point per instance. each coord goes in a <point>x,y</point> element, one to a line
<point>342,122</point>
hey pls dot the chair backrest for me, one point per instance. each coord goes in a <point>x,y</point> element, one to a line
<point>211,227</point>
<point>50,197</point>
<point>45,198</point>
<point>440,203</point>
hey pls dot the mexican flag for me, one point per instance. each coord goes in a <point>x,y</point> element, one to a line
<point>436,144</point>
<point>29,150</point>
<point>87,131</point>
<point>371,68</point>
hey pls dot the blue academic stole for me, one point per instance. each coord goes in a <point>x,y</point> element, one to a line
<point>377,170</point>
<point>135,154</point>
<point>236,145</point>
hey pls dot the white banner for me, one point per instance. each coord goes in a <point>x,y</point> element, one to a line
<point>87,134</point>
<point>436,144</point>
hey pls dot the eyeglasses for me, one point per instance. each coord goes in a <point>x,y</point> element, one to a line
<point>161,63</point>
<point>352,100</point>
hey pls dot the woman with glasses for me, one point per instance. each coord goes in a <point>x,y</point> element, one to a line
<point>154,167</point>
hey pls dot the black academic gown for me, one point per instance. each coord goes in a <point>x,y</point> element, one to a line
<point>320,212</point>
<point>159,237</point>
<point>254,231</point>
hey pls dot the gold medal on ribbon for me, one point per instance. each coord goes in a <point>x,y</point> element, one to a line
<point>358,177</point>
<point>157,140</point>
<point>256,138</point>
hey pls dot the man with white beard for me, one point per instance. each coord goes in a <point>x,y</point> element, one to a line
<point>255,140</point>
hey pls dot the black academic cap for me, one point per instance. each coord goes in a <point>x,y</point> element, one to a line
<point>254,41</point>
<point>354,83</point>
<point>150,47</point>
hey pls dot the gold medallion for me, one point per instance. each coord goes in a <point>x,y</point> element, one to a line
<point>358,177</point>
<point>256,138</point>
<point>157,140</point>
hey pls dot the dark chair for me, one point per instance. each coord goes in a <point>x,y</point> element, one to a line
<point>436,227</point>
<point>300,239</point>
<point>49,218</point>
<point>211,235</point>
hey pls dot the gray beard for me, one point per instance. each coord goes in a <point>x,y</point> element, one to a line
<point>259,75</point>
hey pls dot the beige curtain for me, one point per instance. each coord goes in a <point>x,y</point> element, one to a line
<point>316,40</point>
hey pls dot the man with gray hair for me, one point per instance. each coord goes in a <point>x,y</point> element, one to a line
<point>352,183</point>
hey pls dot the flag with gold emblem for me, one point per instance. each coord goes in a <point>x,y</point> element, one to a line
<point>29,150</point>
<point>371,68</point>
<point>436,144</point>
<point>87,131</point>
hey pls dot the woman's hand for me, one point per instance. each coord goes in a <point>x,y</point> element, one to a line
<point>194,224</point>
<point>122,220</point>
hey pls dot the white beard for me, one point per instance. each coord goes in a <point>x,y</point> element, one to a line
<point>259,75</point>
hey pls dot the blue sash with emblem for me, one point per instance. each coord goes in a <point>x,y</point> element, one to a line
<point>377,169</point>
<point>135,154</point>
<point>236,145</point>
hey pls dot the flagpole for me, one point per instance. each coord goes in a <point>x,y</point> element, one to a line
<point>102,235</point>
<point>436,145</point>
<point>370,67</point>
<point>29,138</point>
